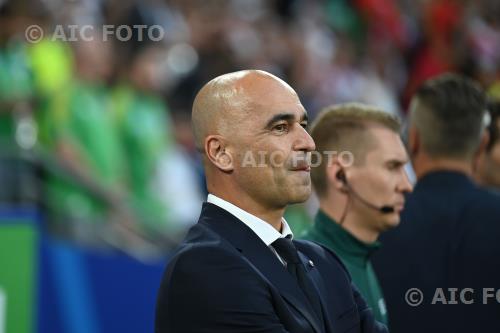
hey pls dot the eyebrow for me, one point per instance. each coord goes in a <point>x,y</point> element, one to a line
<point>398,161</point>
<point>287,117</point>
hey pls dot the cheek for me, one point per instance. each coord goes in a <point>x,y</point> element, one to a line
<point>277,159</point>
<point>265,164</point>
<point>380,185</point>
<point>380,180</point>
<point>254,167</point>
<point>274,155</point>
<point>263,151</point>
<point>495,154</point>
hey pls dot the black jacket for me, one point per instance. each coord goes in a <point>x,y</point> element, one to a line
<point>449,237</point>
<point>223,278</point>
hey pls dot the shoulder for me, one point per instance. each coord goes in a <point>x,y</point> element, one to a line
<point>483,211</point>
<point>206,253</point>
<point>206,270</point>
<point>206,279</point>
<point>486,197</point>
<point>201,252</point>
<point>482,206</point>
<point>466,199</point>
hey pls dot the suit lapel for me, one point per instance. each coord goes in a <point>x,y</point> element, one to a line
<point>260,256</point>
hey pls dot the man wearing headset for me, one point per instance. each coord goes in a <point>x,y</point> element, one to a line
<point>362,196</point>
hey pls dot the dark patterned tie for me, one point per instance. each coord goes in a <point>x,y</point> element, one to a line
<point>288,252</point>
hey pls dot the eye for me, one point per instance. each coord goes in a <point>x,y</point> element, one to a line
<point>281,128</point>
<point>304,125</point>
<point>394,165</point>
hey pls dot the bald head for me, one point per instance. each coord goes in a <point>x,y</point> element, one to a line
<point>224,102</point>
<point>250,126</point>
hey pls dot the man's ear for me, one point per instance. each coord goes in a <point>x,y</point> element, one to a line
<point>218,154</point>
<point>481,150</point>
<point>335,177</point>
<point>485,139</point>
<point>414,145</point>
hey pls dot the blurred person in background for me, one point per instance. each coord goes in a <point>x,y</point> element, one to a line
<point>161,178</point>
<point>16,83</point>
<point>17,100</point>
<point>143,124</point>
<point>483,34</point>
<point>487,172</point>
<point>77,125</point>
<point>352,197</point>
<point>448,237</point>
<point>441,43</point>
<point>238,270</point>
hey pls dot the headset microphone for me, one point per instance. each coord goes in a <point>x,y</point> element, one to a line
<point>384,209</point>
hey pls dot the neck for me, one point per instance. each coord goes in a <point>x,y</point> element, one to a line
<point>425,165</point>
<point>272,216</point>
<point>353,222</point>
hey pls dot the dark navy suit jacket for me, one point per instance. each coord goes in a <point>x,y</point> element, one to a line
<point>224,279</point>
<point>449,237</point>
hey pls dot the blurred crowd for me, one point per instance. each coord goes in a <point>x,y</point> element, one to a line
<point>103,126</point>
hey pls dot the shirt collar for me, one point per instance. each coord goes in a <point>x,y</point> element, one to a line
<point>264,230</point>
<point>344,241</point>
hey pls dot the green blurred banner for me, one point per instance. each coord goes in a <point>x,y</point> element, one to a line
<point>18,273</point>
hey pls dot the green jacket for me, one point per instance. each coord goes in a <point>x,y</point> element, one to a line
<point>356,257</point>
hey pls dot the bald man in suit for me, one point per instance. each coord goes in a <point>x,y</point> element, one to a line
<point>238,269</point>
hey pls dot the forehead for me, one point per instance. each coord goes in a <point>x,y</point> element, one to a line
<point>271,97</point>
<point>388,145</point>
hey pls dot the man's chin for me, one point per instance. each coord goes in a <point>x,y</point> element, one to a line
<point>299,196</point>
<point>393,222</point>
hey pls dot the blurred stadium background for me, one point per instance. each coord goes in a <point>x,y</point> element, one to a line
<point>98,173</point>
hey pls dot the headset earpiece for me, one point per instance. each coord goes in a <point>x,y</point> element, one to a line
<point>341,176</point>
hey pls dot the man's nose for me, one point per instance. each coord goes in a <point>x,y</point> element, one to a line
<point>304,141</point>
<point>405,184</point>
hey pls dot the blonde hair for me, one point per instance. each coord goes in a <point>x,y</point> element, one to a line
<point>344,127</point>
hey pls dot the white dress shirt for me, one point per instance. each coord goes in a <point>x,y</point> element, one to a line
<point>267,233</point>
